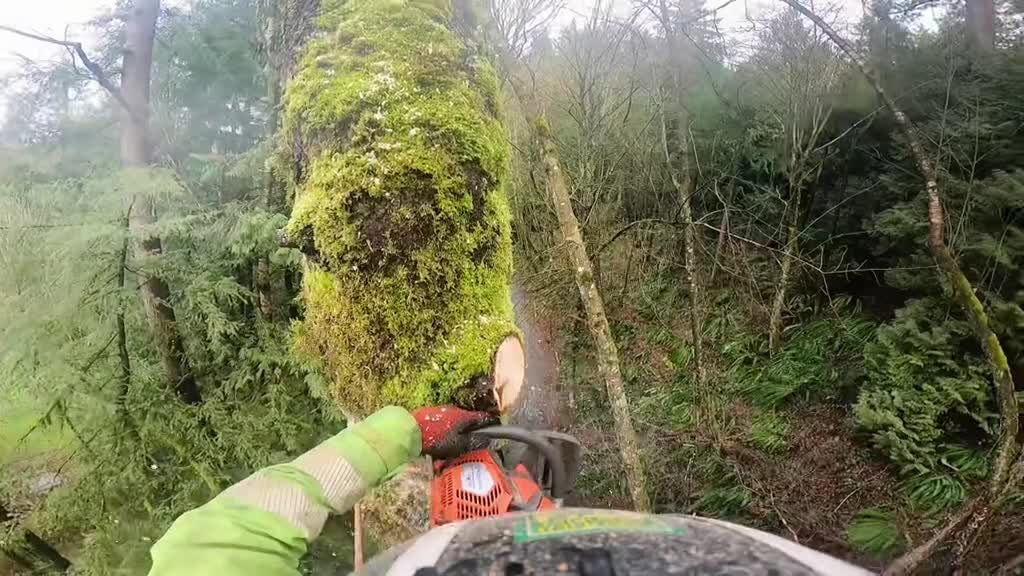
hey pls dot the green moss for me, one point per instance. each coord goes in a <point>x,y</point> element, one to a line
<point>543,127</point>
<point>402,195</point>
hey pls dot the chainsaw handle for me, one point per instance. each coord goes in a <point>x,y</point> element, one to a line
<point>559,481</point>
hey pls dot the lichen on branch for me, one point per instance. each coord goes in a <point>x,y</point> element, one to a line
<point>400,204</point>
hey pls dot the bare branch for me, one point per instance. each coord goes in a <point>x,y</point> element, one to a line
<point>629,227</point>
<point>97,72</point>
<point>519,22</point>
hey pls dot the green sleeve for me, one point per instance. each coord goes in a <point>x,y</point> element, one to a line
<point>263,525</point>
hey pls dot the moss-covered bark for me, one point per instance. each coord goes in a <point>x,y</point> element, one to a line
<point>400,205</point>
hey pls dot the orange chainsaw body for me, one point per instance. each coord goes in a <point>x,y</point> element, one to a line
<point>476,486</point>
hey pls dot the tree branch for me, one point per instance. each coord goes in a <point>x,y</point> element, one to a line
<point>629,227</point>
<point>93,68</point>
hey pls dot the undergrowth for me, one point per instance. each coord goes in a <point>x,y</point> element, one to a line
<point>926,392</point>
<point>758,397</point>
<point>818,361</point>
<point>768,432</point>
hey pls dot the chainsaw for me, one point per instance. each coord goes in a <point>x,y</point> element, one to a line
<point>531,471</point>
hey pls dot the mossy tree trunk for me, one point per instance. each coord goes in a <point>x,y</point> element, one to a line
<point>1008,468</point>
<point>140,32</point>
<point>400,208</point>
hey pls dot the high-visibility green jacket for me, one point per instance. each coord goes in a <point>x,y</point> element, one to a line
<point>262,525</point>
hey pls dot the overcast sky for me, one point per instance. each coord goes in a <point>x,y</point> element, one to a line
<point>59,17</point>
<point>68,18</point>
<point>51,17</point>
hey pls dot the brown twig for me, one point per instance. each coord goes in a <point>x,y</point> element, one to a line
<point>629,227</point>
<point>771,498</point>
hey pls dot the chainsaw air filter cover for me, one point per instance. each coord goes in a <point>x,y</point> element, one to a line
<point>473,486</point>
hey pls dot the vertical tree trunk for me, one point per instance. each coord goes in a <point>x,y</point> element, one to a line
<point>121,332</point>
<point>607,352</point>
<point>1008,465</point>
<point>685,185</point>
<point>723,233</point>
<point>981,25</point>
<point>789,256</point>
<point>30,551</point>
<point>135,78</point>
<point>272,188</point>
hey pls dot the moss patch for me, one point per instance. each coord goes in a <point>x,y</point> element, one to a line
<point>401,192</point>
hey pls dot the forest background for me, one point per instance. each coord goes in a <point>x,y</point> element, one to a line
<point>796,354</point>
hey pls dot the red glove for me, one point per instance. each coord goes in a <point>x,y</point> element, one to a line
<point>445,430</point>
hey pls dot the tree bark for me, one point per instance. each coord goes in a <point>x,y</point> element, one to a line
<point>788,258</point>
<point>723,235</point>
<point>140,32</point>
<point>1008,451</point>
<point>981,25</point>
<point>125,364</point>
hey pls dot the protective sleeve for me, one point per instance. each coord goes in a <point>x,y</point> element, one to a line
<point>263,525</point>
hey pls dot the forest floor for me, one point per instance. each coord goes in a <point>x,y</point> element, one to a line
<point>29,452</point>
<point>807,488</point>
<point>806,484</point>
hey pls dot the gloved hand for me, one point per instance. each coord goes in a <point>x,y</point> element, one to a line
<point>444,430</point>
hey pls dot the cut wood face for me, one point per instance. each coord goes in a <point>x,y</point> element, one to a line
<point>509,374</point>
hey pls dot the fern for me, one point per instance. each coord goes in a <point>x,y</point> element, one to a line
<point>969,464</point>
<point>812,362</point>
<point>919,384</point>
<point>934,493</point>
<point>876,531</point>
<point>768,432</point>
<point>668,406</point>
<point>726,501</point>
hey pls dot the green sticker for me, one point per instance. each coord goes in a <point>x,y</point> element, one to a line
<point>556,524</point>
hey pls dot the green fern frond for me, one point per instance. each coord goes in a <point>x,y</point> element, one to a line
<point>726,501</point>
<point>810,364</point>
<point>934,493</point>
<point>768,432</point>
<point>876,531</point>
<point>965,461</point>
